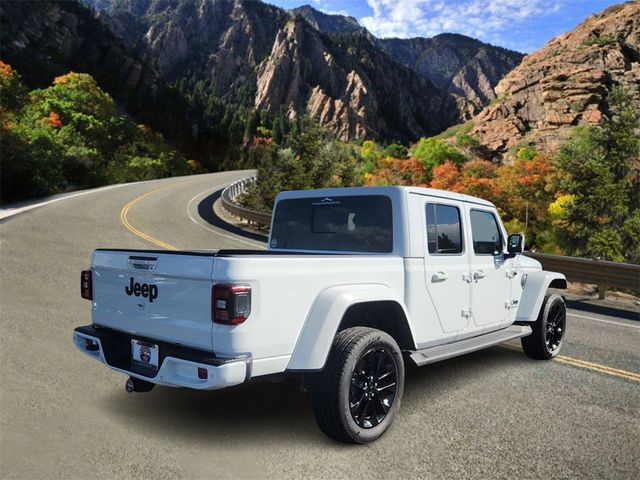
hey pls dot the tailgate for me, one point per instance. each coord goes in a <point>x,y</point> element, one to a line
<point>154,294</point>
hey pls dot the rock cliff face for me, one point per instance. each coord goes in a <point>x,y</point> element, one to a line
<point>457,64</point>
<point>565,83</point>
<point>351,89</point>
<point>217,42</point>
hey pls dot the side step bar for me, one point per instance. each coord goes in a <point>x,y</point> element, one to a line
<point>450,350</point>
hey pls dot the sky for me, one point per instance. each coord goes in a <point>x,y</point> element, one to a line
<point>522,25</point>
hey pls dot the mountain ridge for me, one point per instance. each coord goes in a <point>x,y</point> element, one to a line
<point>223,44</point>
<point>459,65</point>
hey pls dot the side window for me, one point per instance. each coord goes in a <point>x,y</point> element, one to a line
<point>444,231</point>
<point>485,232</point>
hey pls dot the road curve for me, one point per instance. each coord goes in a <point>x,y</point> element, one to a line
<point>490,414</point>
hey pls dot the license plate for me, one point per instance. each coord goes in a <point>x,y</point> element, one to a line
<point>144,353</point>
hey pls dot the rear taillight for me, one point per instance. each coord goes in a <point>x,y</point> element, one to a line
<point>86,284</point>
<point>230,304</point>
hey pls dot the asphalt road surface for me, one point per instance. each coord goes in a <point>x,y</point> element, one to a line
<point>491,414</point>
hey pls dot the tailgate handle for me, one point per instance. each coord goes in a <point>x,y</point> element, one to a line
<point>142,263</point>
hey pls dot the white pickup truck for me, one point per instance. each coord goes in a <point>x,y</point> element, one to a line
<point>356,282</point>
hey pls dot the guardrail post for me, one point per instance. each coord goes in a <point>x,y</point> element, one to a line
<point>602,290</point>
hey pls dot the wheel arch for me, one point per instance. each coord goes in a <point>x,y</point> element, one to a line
<point>338,308</point>
<point>534,291</point>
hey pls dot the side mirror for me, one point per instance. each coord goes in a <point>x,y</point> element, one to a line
<point>515,244</point>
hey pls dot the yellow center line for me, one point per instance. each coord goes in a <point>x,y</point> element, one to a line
<point>139,233</point>
<point>596,367</point>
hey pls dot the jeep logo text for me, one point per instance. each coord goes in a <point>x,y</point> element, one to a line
<point>147,290</point>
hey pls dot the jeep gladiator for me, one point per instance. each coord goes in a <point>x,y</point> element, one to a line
<point>355,282</point>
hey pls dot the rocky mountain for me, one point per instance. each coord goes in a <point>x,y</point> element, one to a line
<point>252,53</point>
<point>459,65</point>
<point>564,84</point>
<point>349,86</point>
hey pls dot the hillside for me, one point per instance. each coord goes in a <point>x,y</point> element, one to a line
<point>45,39</point>
<point>564,84</point>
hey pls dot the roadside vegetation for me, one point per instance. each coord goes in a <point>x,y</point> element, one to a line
<point>72,135</point>
<point>584,201</point>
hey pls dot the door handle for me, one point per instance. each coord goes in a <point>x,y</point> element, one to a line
<point>439,276</point>
<point>479,274</point>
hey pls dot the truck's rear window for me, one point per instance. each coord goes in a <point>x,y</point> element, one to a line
<point>341,224</point>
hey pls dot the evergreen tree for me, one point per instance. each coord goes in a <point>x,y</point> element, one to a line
<point>600,168</point>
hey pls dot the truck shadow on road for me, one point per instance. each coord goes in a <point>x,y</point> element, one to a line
<point>281,412</point>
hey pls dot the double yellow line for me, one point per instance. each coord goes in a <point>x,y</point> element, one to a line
<point>139,233</point>
<point>596,367</point>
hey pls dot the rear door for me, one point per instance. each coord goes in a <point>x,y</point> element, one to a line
<point>166,296</point>
<point>490,271</point>
<point>446,263</point>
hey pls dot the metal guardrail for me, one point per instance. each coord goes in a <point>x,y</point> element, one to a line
<point>595,272</point>
<point>229,203</point>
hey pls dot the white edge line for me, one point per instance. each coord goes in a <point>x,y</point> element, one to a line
<point>217,232</point>
<point>10,212</point>
<point>604,321</point>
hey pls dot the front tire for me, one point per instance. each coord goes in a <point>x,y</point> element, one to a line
<point>549,330</point>
<point>358,394</point>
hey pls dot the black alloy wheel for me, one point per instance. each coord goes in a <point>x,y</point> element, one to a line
<point>358,393</point>
<point>555,326</point>
<point>548,331</point>
<point>373,387</point>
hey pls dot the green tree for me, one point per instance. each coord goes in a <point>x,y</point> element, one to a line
<point>433,152</point>
<point>312,160</point>
<point>600,169</point>
<point>71,135</point>
<point>396,150</point>
<point>253,121</point>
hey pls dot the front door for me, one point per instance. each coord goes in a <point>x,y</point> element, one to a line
<point>490,271</point>
<point>447,264</point>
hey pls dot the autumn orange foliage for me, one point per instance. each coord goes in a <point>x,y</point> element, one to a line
<point>66,78</point>
<point>5,69</point>
<point>395,171</point>
<point>53,119</point>
<point>447,177</point>
<point>526,182</point>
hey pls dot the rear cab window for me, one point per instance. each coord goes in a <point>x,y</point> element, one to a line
<point>358,223</point>
<point>444,229</point>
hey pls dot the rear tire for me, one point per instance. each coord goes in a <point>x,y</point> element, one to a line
<point>358,394</point>
<point>545,342</point>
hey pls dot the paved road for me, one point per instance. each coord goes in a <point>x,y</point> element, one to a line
<point>492,414</point>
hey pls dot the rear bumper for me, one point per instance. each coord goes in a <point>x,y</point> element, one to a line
<point>178,365</point>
